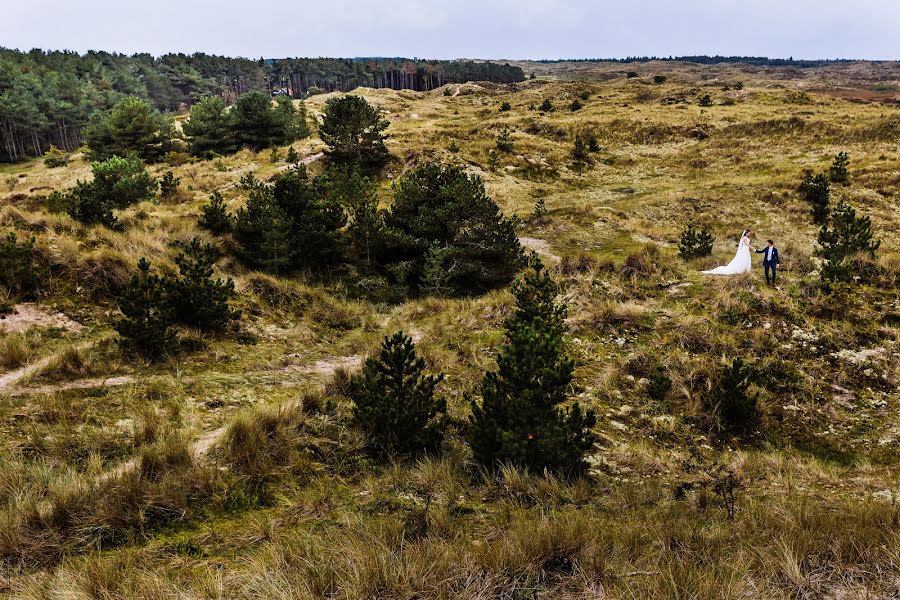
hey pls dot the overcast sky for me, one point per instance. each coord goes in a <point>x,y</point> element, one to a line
<point>460,28</point>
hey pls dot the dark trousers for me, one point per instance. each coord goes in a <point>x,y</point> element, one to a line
<point>774,269</point>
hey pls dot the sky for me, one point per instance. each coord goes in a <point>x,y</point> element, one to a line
<point>490,29</point>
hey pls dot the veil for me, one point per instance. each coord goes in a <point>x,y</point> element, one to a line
<point>743,233</point>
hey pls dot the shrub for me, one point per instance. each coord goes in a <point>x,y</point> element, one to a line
<point>658,79</point>
<point>118,182</point>
<point>546,106</point>
<point>504,141</point>
<point>353,130</point>
<point>436,279</point>
<point>394,400</point>
<point>659,384</point>
<point>695,244</point>
<point>54,157</point>
<point>632,74</point>
<point>839,171</point>
<point>146,319</point>
<point>292,157</point>
<point>847,237</point>
<point>197,299</point>
<point>580,156</point>
<point>274,155</point>
<point>445,205</point>
<point>592,144</point>
<point>505,106</point>
<point>168,185</point>
<point>210,128</point>
<point>18,267</point>
<point>540,209</point>
<point>214,216</point>
<point>131,127</point>
<point>576,105</point>
<point>257,125</point>
<point>584,95</point>
<point>493,159</point>
<point>731,405</point>
<point>817,191</point>
<point>705,100</point>
<point>519,420</point>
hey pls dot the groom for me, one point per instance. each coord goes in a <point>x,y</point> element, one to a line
<point>770,260</point>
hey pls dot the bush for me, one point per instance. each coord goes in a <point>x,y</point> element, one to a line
<point>817,191</point>
<point>592,143</point>
<point>505,106</point>
<point>118,182</point>
<point>210,128</point>
<point>839,171</point>
<point>580,156</point>
<point>292,157</point>
<point>353,130</point>
<point>214,216</point>
<point>292,223</point>
<point>54,157</point>
<point>519,420</point>
<point>146,322</point>
<point>131,127</point>
<point>658,79</point>
<point>731,405</point>
<point>197,299</point>
<point>546,106</point>
<point>18,267</point>
<point>659,384</point>
<point>394,401</point>
<point>445,205</point>
<point>705,100</point>
<point>504,141</point>
<point>695,244</point>
<point>168,185</point>
<point>576,105</point>
<point>847,237</point>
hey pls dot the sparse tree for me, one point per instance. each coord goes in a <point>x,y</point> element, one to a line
<point>146,319</point>
<point>292,157</point>
<point>846,237</point>
<point>817,191</point>
<point>210,128</point>
<point>504,140</point>
<point>576,105</point>
<point>131,127</point>
<point>729,401</point>
<point>505,106</point>
<point>705,100</point>
<point>353,130</point>
<point>839,172</point>
<point>168,185</point>
<point>18,266</point>
<point>197,299</point>
<point>394,400</point>
<point>214,216</point>
<point>546,106</point>
<point>695,244</point>
<point>519,419</point>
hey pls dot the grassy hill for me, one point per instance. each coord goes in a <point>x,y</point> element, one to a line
<point>231,470</point>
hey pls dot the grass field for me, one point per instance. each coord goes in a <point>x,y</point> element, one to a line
<point>232,472</point>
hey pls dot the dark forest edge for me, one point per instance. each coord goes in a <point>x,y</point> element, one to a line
<point>46,98</point>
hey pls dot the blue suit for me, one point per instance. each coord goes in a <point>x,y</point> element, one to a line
<point>770,261</point>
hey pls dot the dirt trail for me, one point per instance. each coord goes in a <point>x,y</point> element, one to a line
<point>8,380</point>
<point>306,160</point>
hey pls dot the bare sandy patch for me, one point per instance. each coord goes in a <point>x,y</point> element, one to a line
<point>28,315</point>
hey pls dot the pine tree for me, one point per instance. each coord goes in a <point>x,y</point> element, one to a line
<point>353,130</point>
<point>504,141</point>
<point>118,182</point>
<point>705,100</point>
<point>131,127</point>
<point>576,105</point>
<point>493,159</point>
<point>54,158</point>
<point>146,319</point>
<point>817,191</point>
<point>546,106</point>
<point>210,128</point>
<point>436,279</point>
<point>505,106</point>
<point>730,403</point>
<point>168,185</point>
<point>254,122</point>
<point>659,384</point>
<point>519,419</point>
<point>592,143</point>
<point>197,299</point>
<point>292,157</point>
<point>263,232</point>
<point>580,156</point>
<point>540,209</point>
<point>214,216</point>
<point>839,171</point>
<point>694,244</point>
<point>394,401</point>
<point>18,267</point>
<point>846,237</point>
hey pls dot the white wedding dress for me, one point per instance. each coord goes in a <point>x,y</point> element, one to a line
<point>742,262</point>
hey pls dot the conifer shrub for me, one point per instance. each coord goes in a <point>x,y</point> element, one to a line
<point>659,384</point>
<point>546,105</point>
<point>844,239</point>
<point>705,100</point>
<point>659,79</point>
<point>730,403</point>
<point>576,105</point>
<point>816,190</point>
<point>505,106</point>
<point>353,129</point>
<point>520,419</point>
<point>168,184</point>
<point>445,205</point>
<point>196,298</point>
<point>19,268</point>
<point>146,321</point>
<point>839,172</point>
<point>695,244</point>
<point>54,158</point>
<point>394,400</point>
<point>292,156</point>
<point>580,156</point>
<point>504,141</point>
<point>214,216</point>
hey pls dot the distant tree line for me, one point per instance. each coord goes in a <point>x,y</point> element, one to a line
<point>759,61</point>
<point>47,98</point>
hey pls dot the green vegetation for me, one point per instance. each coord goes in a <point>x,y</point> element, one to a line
<point>353,129</point>
<point>817,192</point>
<point>132,127</point>
<point>845,238</point>
<point>146,322</point>
<point>731,404</point>
<point>839,172</point>
<point>196,298</point>
<point>394,400</point>
<point>695,244</point>
<point>19,270</point>
<point>504,141</point>
<point>519,420</point>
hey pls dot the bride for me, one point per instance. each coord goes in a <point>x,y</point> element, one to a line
<point>742,263</point>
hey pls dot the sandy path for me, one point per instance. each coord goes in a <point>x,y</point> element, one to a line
<point>8,380</point>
